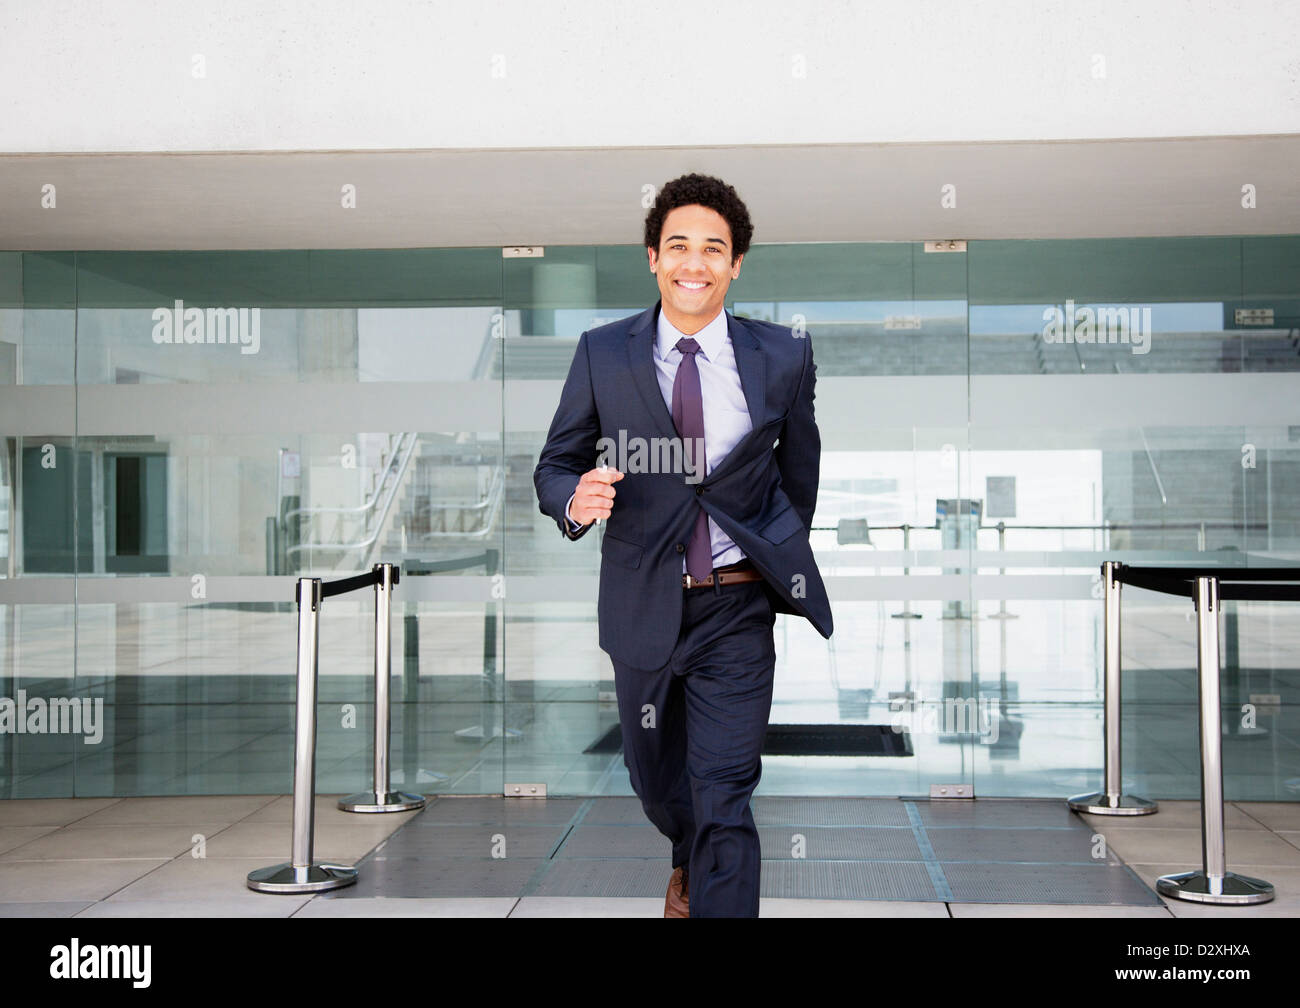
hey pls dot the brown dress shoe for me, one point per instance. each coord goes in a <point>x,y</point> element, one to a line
<point>677,903</point>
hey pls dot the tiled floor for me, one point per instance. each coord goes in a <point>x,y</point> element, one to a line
<point>464,856</point>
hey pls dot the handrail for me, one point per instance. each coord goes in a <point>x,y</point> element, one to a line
<point>374,536</point>
<point>1146,447</point>
<point>366,505</point>
<point>492,500</point>
<point>1132,526</point>
<point>486,354</point>
<point>1155,473</point>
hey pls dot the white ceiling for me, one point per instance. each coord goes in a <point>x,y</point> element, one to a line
<point>817,193</point>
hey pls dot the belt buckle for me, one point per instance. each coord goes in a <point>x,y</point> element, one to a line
<point>691,582</point>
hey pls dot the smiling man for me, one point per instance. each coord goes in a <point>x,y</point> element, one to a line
<point>694,569</point>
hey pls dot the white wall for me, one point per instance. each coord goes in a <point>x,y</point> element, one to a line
<point>401,74</point>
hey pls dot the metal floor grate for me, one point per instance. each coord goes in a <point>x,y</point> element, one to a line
<point>1039,846</point>
<point>829,812</point>
<point>1020,883</point>
<point>985,851</point>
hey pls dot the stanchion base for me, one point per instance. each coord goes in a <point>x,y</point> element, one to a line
<point>905,615</point>
<point>1197,887</point>
<point>389,801</point>
<point>1099,803</point>
<point>315,877</point>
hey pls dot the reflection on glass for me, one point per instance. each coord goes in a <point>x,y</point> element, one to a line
<point>1068,401</point>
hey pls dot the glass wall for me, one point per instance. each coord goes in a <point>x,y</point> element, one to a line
<point>186,433</point>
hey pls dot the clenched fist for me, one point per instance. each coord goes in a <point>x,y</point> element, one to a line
<point>594,497</point>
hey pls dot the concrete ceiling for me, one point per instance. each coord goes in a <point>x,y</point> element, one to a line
<point>454,198</point>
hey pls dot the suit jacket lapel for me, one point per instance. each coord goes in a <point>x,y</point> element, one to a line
<point>751,363</point>
<point>640,359</point>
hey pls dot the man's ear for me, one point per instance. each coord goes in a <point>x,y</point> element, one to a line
<point>650,254</point>
<point>735,266</point>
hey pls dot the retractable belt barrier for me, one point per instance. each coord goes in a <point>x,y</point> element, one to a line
<point>301,873</point>
<point>1111,800</point>
<point>1207,587</point>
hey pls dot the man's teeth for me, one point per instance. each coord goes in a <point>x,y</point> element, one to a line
<point>692,284</point>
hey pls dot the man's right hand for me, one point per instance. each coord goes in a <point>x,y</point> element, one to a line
<point>594,497</point>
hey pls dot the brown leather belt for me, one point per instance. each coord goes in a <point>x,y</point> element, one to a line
<point>741,570</point>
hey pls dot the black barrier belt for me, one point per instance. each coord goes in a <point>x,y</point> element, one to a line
<point>1240,583</point>
<point>344,585</point>
<point>1260,593</point>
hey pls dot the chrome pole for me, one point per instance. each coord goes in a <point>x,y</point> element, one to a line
<point>304,749</point>
<point>1111,800</point>
<point>907,613</point>
<point>300,874</point>
<point>382,798</point>
<point>1207,673</point>
<point>1002,613</point>
<point>1214,883</point>
<point>383,672</point>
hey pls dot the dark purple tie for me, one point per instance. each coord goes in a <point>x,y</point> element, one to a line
<point>688,416</point>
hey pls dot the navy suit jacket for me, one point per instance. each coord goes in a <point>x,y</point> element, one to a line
<point>762,494</point>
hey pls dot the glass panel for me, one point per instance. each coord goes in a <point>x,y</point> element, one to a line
<point>1121,409</point>
<point>888,328</point>
<point>892,532</point>
<point>560,685</point>
<point>339,409</point>
<point>994,424</point>
<point>41,474</point>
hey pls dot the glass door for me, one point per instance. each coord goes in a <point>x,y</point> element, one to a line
<point>889,704</point>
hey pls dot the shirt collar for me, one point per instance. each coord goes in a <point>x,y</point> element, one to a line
<point>711,338</point>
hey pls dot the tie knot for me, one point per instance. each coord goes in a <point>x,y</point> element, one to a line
<point>687,345</point>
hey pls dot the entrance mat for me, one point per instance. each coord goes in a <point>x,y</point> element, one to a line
<point>804,740</point>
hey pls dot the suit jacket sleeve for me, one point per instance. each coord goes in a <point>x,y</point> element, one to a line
<point>570,448</point>
<point>799,452</point>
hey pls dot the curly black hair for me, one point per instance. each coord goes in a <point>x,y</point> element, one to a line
<point>706,191</point>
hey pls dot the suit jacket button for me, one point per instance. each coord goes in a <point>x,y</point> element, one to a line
<point>698,491</point>
<point>681,548</point>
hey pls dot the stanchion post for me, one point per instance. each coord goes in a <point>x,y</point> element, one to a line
<point>1002,613</point>
<point>1214,883</point>
<point>301,874</point>
<point>382,798</point>
<point>1112,800</point>
<point>907,613</point>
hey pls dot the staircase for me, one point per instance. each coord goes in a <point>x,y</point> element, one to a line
<point>451,501</point>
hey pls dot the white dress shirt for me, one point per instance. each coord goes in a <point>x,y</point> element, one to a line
<point>726,413</point>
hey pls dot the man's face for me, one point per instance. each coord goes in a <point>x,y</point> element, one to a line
<point>693,266</point>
